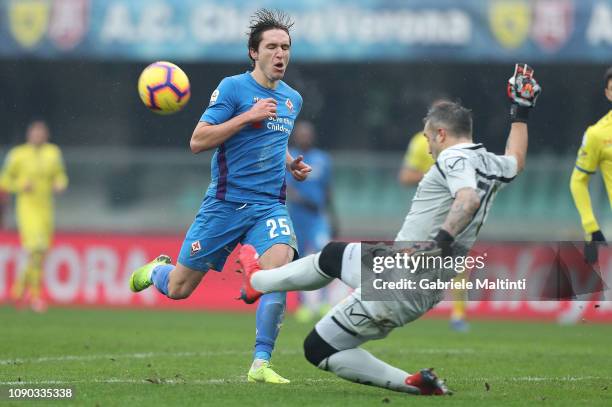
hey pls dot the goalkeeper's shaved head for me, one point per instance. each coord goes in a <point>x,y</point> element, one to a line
<point>451,116</point>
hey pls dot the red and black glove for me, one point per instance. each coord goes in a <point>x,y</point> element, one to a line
<point>523,90</point>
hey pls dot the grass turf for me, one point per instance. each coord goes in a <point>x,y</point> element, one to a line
<point>121,357</point>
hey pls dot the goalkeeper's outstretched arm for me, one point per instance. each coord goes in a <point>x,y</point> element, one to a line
<point>516,146</point>
<point>523,91</point>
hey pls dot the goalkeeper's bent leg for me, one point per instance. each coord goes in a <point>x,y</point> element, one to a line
<point>336,260</point>
<point>354,364</point>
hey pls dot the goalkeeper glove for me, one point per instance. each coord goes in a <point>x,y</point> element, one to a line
<point>590,248</point>
<point>523,90</point>
<point>441,246</point>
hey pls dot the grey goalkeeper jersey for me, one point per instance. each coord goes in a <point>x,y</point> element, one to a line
<point>460,166</point>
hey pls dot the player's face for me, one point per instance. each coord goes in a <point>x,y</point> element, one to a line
<point>433,140</point>
<point>609,91</point>
<point>272,57</point>
<point>38,134</point>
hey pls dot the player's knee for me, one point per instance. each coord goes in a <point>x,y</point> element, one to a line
<point>330,259</point>
<point>179,291</point>
<point>316,350</point>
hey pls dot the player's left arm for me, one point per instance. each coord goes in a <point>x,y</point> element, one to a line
<point>296,166</point>
<point>523,91</point>
<point>586,165</point>
<point>59,177</point>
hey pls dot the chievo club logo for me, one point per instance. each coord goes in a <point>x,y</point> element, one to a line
<point>510,21</point>
<point>29,20</point>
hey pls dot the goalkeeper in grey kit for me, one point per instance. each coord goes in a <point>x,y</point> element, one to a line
<point>451,204</point>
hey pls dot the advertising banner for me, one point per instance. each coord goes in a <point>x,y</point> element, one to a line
<point>86,269</point>
<point>93,270</point>
<point>334,30</point>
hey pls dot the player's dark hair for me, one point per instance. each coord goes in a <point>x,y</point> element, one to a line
<point>456,118</point>
<point>608,77</point>
<point>264,20</point>
<point>36,121</point>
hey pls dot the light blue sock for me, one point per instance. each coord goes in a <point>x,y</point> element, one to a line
<point>160,276</point>
<point>269,316</point>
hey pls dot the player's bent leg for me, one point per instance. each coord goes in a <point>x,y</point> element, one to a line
<point>336,260</point>
<point>176,282</point>
<point>276,256</point>
<point>141,278</point>
<point>333,346</point>
<point>183,281</point>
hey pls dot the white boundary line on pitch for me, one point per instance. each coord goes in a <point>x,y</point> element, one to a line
<point>145,355</point>
<point>116,380</point>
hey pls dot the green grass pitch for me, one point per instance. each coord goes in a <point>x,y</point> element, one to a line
<point>125,357</point>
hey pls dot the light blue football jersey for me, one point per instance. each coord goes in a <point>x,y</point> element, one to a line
<point>249,167</point>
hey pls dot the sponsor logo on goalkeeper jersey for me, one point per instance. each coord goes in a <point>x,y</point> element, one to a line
<point>455,164</point>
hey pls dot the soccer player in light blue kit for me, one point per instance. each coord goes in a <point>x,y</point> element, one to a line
<point>309,201</point>
<point>311,212</point>
<point>248,121</point>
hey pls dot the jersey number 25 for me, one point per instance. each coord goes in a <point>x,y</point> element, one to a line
<point>275,227</point>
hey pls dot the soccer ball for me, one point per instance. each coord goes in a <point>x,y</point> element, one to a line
<point>164,87</point>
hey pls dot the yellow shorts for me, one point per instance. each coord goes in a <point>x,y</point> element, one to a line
<point>35,229</point>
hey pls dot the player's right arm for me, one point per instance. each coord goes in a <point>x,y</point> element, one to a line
<point>9,174</point>
<point>207,136</point>
<point>218,122</point>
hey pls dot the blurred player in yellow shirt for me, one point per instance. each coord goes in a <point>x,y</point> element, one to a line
<point>417,162</point>
<point>595,151</point>
<point>33,171</point>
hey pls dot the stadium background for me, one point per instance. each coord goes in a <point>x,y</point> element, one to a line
<point>366,71</point>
